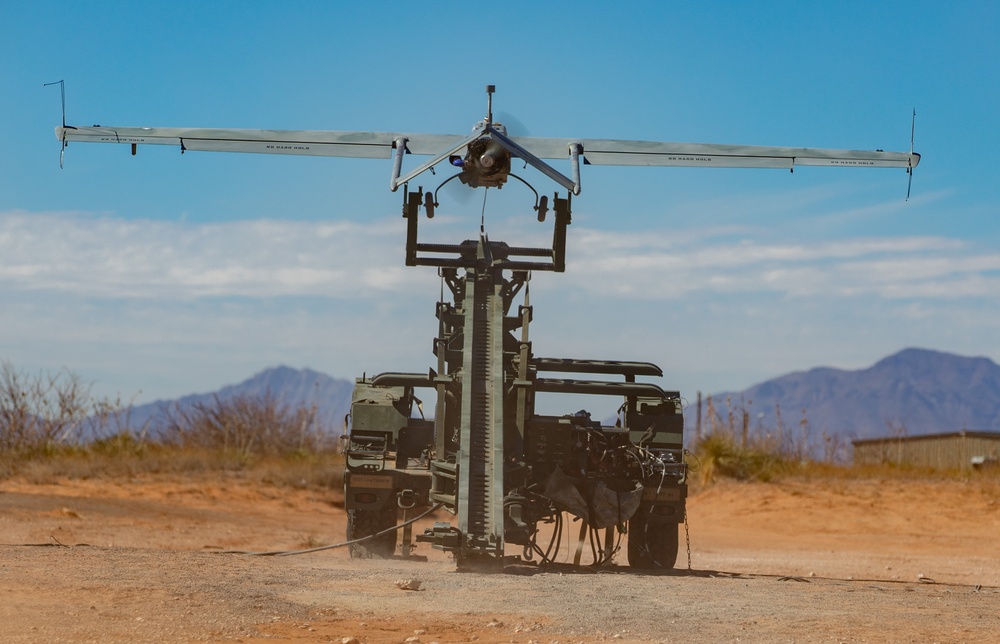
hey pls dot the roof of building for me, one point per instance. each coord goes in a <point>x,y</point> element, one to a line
<point>965,433</point>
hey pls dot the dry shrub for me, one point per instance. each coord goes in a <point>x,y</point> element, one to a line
<point>40,413</point>
<point>248,426</point>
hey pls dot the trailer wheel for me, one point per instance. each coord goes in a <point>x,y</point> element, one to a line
<point>652,544</point>
<point>363,523</point>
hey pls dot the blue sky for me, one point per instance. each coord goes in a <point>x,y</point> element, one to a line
<point>162,275</point>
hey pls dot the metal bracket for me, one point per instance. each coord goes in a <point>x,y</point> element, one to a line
<point>396,181</point>
<point>397,161</point>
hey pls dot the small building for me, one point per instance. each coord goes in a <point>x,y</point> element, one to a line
<point>951,451</point>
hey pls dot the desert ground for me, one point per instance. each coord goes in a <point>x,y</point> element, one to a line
<point>139,558</point>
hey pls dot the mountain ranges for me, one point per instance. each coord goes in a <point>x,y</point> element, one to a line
<point>915,391</point>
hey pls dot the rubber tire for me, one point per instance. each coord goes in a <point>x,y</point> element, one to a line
<point>361,523</point>
<point>655,547</point>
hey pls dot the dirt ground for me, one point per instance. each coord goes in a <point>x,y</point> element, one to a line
<point>831,560</point>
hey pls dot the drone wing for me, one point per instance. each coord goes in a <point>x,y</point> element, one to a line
<point>379,145</point>
<point>383,145</point>
<point>710,155</point>
<point>374,145</point>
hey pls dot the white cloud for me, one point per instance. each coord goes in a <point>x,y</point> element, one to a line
<point>101,256</point>
<point>652,266</point>
<point>174,307</point>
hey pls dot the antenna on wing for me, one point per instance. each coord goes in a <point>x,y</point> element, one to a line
<point>909,171</point>
<point>62,90</point>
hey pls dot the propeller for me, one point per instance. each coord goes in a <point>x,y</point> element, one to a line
<point>461,191</point>
<point>514,125</point>
<point>457,191</point>
<point>62,91</point>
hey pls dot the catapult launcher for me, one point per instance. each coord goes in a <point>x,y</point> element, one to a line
<point>507,473</point>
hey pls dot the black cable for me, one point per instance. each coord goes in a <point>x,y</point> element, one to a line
<point>482,216</point>
<point>556,539</point>
<point>288,553</point>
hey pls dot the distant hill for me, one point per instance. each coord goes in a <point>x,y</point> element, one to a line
<point>915,391</point>
<point>293,388</point>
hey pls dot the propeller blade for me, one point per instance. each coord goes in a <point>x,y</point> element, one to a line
<point>514,125</point>
<point>459,192</point>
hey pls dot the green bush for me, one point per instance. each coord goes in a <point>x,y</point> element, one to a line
<point>720,456</point>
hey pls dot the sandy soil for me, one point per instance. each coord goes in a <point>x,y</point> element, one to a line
<point>826,560</point>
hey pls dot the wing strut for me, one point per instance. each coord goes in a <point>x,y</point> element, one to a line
<point>519,151</point>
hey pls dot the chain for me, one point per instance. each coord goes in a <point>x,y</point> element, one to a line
<point>687,537</point>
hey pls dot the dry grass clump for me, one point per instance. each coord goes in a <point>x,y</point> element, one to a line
<point>718,455</point>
